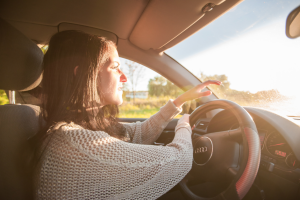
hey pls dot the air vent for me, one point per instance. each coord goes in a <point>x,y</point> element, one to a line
<point>202,125</point>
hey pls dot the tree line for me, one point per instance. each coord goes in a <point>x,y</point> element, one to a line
<point>160,86</point>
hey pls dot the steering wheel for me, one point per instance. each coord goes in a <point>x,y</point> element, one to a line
<point>220,155</point>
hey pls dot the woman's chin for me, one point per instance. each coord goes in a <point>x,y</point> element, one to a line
<point>120,103</point>
<point>120,98</point>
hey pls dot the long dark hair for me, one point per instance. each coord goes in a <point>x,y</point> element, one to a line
<point>67,96</point>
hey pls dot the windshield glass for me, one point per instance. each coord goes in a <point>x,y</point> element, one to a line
<point>248,51</point>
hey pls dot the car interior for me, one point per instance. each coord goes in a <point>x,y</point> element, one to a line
<point>238,166</point>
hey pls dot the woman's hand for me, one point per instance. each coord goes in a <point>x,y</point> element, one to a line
<point>184,119</point>
<point>183,122</point>
<point>195,93</point>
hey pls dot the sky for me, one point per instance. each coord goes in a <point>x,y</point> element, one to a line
<point>248,15</point>
<point>261,59</point>
<point>249,45</point>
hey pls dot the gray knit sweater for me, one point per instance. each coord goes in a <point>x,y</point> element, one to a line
<point>83,164</point>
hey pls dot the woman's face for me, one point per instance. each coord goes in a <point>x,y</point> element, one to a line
<point>111,79</point>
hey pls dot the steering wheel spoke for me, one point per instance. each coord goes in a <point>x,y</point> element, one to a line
<point>233,134</point>
<point>215,153</point>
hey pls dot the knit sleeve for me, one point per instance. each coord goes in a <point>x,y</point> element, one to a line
<point>148,131</point>
<point>83,164</point>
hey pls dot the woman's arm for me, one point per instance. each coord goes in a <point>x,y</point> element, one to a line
<point>148,131</point>
<point>87,164</point>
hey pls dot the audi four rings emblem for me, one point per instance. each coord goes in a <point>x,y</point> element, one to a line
<point>201,149</point>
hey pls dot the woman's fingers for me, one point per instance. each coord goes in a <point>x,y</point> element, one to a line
<point>195,93</point>
<point>203,94</point>
<point>193,127</point>
<point>206,83</point>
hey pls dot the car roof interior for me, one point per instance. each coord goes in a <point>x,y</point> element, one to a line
<point>155,24</point>
<point>142,29</point>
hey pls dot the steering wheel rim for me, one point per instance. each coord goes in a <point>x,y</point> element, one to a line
<point>249,165</point>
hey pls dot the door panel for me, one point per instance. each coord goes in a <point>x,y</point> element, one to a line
<point>166,136</point>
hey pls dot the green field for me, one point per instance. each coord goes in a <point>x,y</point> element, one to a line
<point>142,108</point>
<point>140,113</point>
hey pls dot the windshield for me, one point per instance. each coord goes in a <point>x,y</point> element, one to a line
<point>248,51</point>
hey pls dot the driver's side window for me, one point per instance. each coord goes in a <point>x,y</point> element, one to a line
<point>145,91</point>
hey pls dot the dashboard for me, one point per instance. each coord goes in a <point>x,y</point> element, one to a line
<point>279,172</point>
<point>279,140</point>
<point>276,150</point>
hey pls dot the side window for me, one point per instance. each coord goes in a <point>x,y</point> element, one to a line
<point>145,91</point>
<point>3,98</point>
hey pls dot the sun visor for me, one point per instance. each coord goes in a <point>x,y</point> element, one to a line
<point>164,20</point>
<point>90,30</point>
<point>20,60</point>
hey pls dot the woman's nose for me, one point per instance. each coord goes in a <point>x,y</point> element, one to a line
<point>123,78</point>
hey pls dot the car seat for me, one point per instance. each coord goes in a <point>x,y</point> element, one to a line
<point>20,69</point>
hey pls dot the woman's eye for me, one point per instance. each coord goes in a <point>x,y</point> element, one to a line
<point>116,65</point>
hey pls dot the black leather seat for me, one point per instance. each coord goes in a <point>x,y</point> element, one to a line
<point>20,69</point>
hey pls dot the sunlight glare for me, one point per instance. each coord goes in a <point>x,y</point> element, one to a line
<point>262,59</point>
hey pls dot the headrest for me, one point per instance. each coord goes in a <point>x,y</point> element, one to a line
<point>20,60</point>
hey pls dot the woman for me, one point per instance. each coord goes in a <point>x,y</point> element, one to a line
<point>84,152</point>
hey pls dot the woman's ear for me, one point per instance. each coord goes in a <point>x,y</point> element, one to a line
<point>75,70</point>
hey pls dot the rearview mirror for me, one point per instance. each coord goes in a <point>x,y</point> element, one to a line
<point>293,24</point>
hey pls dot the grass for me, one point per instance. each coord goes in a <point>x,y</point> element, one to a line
<point>142,108</point>
<point>140,113</point>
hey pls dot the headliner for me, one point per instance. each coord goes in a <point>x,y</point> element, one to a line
<point>147,24</point>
